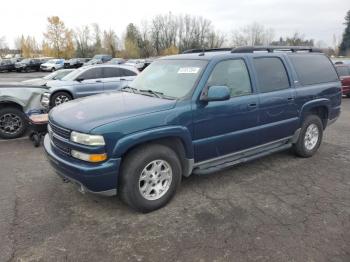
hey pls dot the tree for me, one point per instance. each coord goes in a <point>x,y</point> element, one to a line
<point>253,34</point>
<point>97,42</point>
<point>58,36</point>
<point>295,40</point>
<point>82,40</point>
<point>110,42</point>
<point>344,48</point>
<point>29,46</point>
<point>132,41</point>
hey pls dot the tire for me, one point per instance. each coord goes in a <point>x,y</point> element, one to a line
<point>310,137</point>
<point>132,184</point>
<point>13,123</point>
<point>60,98</point>
<point>53,69</point>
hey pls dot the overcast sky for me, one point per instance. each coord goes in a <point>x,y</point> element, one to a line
<point>317,19</point>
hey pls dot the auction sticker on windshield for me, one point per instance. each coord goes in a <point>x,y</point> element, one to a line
<point>188,70</point>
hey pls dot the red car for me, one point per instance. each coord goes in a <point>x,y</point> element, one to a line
<point>344,75</point>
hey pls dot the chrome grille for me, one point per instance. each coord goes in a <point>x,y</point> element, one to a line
<point>61,146</point>
<point>62,132</point>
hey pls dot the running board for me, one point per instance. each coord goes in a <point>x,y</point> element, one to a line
<point>208,167</point>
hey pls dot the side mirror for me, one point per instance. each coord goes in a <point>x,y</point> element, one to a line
<point>215,93</point>
<point>79,79</point>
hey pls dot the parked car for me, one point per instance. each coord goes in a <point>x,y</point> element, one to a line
<point>76,62</point>
<point>29,64</point>
<point>99,59</point>
<point>194,113</point>
<point>89,80</point>
<point>52,65</point>
<point>138,63</point>
<point>344,75</point>
<point>7,65</point>
<point>15,101</point>
<point>57,75</point>
<point>116,61</point>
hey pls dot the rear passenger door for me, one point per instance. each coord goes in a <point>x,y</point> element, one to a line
<point>224,127</point>
<point>278,114</point>
<point>115,78</point>
<point>91,82</point>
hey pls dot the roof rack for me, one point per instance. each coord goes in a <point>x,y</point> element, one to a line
<point>270,49</point>
<point>203,50</point>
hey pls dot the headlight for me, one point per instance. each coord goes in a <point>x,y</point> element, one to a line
<point>85,139</point>
<point>93,158</point>
<point>45,99</point>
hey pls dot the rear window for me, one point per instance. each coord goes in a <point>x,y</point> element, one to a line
<point>343,70</point>
<point>271,73</point>
<point>313,69</point>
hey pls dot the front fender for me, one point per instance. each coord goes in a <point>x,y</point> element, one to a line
<point>129,141</point>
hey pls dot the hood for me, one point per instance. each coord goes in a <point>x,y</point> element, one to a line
<point>85,114</point>
<point>58,83</point>
<point>36,81</point>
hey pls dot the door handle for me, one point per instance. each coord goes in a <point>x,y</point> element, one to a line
<point>290,98</point>
<point>252,105</point>
<point>98,81</point>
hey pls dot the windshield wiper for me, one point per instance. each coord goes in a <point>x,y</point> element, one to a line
<point>126,88</point>
<point>154,93</point>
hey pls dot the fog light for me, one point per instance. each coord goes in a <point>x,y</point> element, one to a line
<point>93,158</point>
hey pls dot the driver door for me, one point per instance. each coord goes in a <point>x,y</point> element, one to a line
<point>90,82</point>
<point>224,127</point>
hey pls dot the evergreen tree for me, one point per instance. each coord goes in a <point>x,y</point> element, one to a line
<point>344,48</point>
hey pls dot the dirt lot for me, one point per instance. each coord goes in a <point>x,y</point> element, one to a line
<point>278,208</point>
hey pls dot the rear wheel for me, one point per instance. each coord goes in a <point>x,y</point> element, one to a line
<point>149,177</point>
<point>13,123</point>
<point>310,137</point>
<point>60,98</point>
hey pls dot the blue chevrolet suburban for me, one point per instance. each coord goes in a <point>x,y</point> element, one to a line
<point>194,113</point>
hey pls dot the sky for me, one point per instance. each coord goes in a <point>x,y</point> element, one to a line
<point>317,19</point>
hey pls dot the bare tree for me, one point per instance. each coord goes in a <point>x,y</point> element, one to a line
<point>110,42</point>
<point>82,41</point>
<point>253,34</point>
<point>96,36</point>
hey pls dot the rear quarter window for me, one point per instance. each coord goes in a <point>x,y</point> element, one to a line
<point>313,69</point>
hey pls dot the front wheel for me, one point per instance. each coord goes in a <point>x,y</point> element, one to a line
<point>13,123</point>
<point>149,177</point>
<point>310,137</point>
<point>60,98</point>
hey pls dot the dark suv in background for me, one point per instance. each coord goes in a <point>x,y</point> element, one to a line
<point>29,64</point>
<point>194,113</point>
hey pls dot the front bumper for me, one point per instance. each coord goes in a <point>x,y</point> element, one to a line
<point>345,90</point>
<point>95,178</point>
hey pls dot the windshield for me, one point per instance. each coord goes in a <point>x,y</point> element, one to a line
<point>26,60</point>
<point>172,78</point>
<point>73,75</point>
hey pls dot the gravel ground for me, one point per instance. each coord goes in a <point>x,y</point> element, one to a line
<point>278,208</point>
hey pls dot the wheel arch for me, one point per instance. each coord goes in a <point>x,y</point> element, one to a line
<point>319,107</point>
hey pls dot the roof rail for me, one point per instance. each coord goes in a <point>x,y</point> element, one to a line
<point>203,50</point>
<point>270,49</point>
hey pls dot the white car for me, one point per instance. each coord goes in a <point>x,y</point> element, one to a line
<point>52,65</point>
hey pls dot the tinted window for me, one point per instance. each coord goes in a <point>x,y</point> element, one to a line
<point>126,72</point>
<point>313,69</point>
<point>271,73</point>
<point>92,73</point>
<point>343,71</point>
<point>111,72</point>
<point>234,75</point>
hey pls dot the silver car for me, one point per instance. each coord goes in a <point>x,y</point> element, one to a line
<point>86,81</point>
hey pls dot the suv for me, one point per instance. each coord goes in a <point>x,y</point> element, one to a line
<point>29,64</point>
<point>52,65</point>
<point>86,81</point>
<point>194,113</point>
<point>344,75</point>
